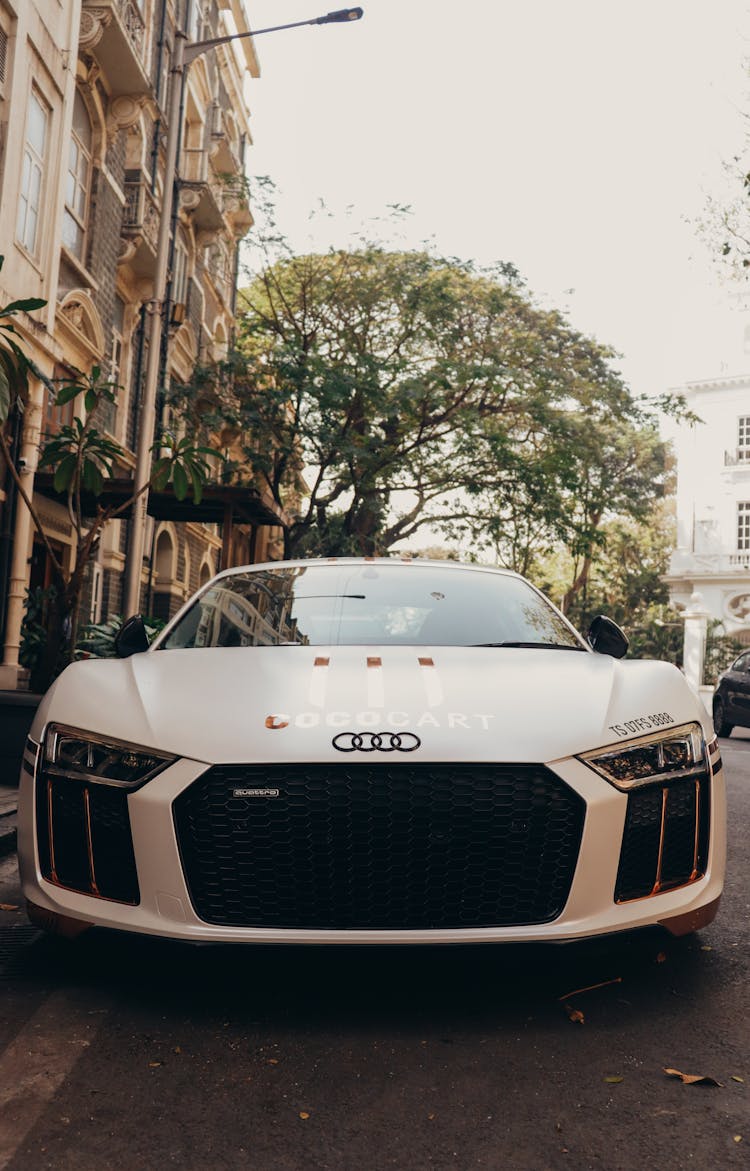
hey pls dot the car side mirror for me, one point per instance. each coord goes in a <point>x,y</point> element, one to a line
<point>131,638</point>
<point>605,637</point>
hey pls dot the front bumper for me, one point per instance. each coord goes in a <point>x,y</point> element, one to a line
<point>165,907</point>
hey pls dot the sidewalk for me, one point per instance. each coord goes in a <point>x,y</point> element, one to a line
<point>8,804</point>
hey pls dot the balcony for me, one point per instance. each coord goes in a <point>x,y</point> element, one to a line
<point>140,225</point>
<point>201,193</point>
<point>115,33</point>
<point>738,457</point>
<point>689,564</point>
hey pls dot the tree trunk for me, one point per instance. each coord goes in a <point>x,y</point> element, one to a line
<point>55,653</point>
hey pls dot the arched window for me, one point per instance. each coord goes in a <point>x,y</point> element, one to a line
<point>78,184</point>
<point>164,558</point>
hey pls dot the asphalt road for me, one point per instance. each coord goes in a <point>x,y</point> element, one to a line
<point>128,1053</point>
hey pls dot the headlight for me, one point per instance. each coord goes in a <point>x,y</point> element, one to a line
<point>665,756</point>
<point>84,756</point>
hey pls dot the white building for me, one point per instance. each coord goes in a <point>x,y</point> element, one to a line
<point>711,564</point>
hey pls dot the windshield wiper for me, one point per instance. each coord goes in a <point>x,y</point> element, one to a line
<point>550,646</point>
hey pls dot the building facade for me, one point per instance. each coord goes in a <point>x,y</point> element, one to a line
<point>710,568</point>
<point>84,90</point>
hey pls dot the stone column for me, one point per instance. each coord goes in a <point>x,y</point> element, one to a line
<point>694,647</point>
<point>22,542</point>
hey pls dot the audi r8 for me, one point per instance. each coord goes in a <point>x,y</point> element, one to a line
<point>367,751</point>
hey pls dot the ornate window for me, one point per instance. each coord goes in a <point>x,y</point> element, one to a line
<point>56,417</point>
<point>179,273</point>
<point>32,173</point>
<point>743,438</point>
<point>78,183</point>
<point>743,525</point>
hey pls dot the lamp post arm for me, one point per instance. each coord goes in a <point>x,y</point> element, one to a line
<point>196,48</point>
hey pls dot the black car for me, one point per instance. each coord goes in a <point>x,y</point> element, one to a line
<point>732,697</point>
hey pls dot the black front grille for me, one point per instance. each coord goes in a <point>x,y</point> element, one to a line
<point>379,845</point>
<point>84,838</point>
<point>665,843</point>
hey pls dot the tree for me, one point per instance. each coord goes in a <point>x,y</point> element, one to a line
<point>83,460</point>
<point>378,391</point>
<point>626,573</point>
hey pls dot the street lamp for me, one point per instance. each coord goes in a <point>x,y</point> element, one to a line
<point>184,54</point>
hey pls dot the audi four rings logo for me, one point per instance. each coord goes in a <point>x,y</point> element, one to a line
<point>376,742</point>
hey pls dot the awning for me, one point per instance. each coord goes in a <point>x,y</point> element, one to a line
<point>219,501</point>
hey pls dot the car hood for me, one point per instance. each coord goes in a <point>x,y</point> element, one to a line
<point>233,704</point>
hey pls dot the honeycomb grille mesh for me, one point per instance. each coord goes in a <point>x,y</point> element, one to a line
<point>379,845</point>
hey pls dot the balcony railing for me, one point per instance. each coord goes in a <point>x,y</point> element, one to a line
<point>738,456</point>
<point>140,214</point>
<point>116,34</point>
<point>711,564</point>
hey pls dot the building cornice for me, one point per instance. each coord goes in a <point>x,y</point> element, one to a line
<point>733,382</point>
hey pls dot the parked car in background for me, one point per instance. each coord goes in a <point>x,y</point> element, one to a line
<point>372,751</point>
<point>731,702</point>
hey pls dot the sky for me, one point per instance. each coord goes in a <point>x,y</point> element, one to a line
<point>579,140</point>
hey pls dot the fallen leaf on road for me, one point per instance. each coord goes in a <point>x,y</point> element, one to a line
<point>303,1114</point>
<point>738,1138</point>
<point>735,1078</point>
<point>8,907</point>
<point>614,1080</point>
<point>661,958</point>
<point>692,1079</point>
<point>574,1014</point>
<point>706,947</point>
<point>155,1064</point>
<point>273,1061</point>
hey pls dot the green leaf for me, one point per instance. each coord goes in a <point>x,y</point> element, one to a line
<point>64,473</point>
<point>197,479</point>
<point>160,474</point>
<point>67,393</point>
<point>92,477</point>
<point>90,400</point>
<point>180,482</point>
<point>4,394</point>
<point>27,305</point>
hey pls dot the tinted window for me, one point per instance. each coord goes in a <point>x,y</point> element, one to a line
<point>370,605</point>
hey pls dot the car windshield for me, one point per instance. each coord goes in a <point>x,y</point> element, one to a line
<point>370,605</point>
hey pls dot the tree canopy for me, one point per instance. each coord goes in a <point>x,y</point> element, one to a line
<point>374,392</point>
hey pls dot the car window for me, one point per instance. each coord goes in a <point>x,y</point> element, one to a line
<point>370,604</point>
<point>742,664</point>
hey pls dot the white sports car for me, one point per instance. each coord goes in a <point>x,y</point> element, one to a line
<point>371,751</point>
